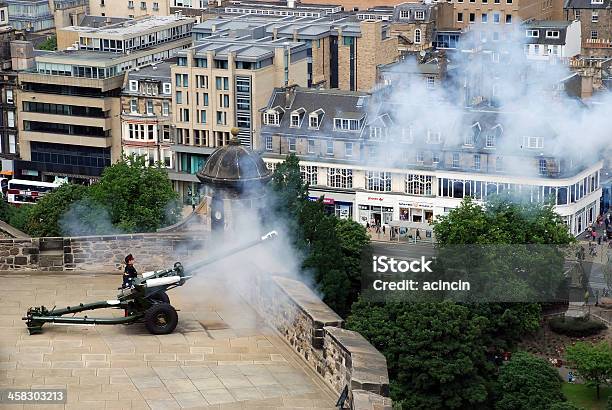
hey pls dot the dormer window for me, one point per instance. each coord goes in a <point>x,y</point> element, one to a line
<point>405,14</point>
<point>407,135</point>
<point>533,33</point>
<point>490,142</point>
<point>133,85</point>
<point>343,124</point>
<point>296,117</point>
<point>167,88</point>
<point>376,133</point>
<point>533,142</point>
<point>434,137</point>
<point>314,119</point>
<point>419,15</point>
<point>471,137</point>
<point>271,118</point>
<point>552,33</point>
<point>596,1</point>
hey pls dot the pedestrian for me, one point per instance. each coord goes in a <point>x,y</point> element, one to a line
<point>383,229</point>
<point>367,226</point>
<point>418,234</point>
<point>129,273</point>
<point>193,202</point>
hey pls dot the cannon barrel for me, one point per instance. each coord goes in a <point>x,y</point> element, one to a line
<point>193,265</point>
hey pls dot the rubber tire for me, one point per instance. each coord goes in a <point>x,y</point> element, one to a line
<point>150,319</point>
<point>160,297</point>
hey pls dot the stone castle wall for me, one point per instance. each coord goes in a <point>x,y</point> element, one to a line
<point>341,357</point>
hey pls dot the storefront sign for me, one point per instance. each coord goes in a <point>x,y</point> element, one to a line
<point>326,201</point>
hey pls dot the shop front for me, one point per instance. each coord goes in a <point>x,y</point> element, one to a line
<point>375,210</point>
<point>415,212</point>
<point>338,204</point>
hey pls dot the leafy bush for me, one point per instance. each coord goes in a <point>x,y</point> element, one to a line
<point>576,327</point>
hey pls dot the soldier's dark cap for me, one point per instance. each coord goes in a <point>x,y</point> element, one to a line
<point>129,258</point>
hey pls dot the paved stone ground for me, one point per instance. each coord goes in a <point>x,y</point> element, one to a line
<point>221,356</point>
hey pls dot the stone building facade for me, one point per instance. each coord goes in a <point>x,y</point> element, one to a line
<point>595,18</point>
<point>146,113</point>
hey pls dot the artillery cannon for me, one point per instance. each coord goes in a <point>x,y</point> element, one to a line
<point>145,301</point>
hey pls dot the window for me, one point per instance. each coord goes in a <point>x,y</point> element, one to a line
<point>221,118</point>
<point>340,177</point>
<point>133,85</point>
<point>12,144</point>
<point>133,105</point>
<point>476,165</point>
<point>202,116</point>
<point>419,15</point>
<point>130,4</point>
<point>222,83</point>
<point>143,5</point>
<point>431,82</point>
<point>596,1</point>
<point>533,142</point>
<point>536,49</point>
<point>472,17</point>
<point>378,181</point>
<point>330,147</point>
<point>435,158</point>
<point>309,174</point>
<point>533,33</point>
<point>341,124</point>
<point>292,144</point>
<point>9,97</point>
<point>167,88</point>
<point>243,103</point>
<point>420,157</point>
<point>455,160</point>
<point>201,81</point>
<point>224,101</point>
<point>594,17</point>
<point>179,97</point>
<point>10,115</point>
<point>577,14</point>
<point>184,114</point>
<point>165,108</point>
<point>418,184</point>
<point>543,169</point>
<point>348,41</point>
<point>496,18</point>
<point>405,14</point>
<point>295,120</point>
<point>594,35</point>
<point>313,121</point>
<point>271,118</point>
<point>460,17</point>
<point>417,36</point>
<point>490,141</point>
<point>484,17</point>
<point>348,149</point>
<point>552,33</point>
<point>434,137</point>
<point>182,80</point>
<point>508,18</point>
<point>268,143</point>
<point>155,6</point>
<point>499,164</point>
<point>311,146</point>
<point>149,107</point>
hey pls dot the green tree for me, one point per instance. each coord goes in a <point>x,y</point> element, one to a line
<point>593,362</point>
<point>139,198</point>
<point>42,218</point>
<point>434,351</point>
<point>528,382</point>
<point>50,44</point>
<point>355,245</point>
<point>563,405</point>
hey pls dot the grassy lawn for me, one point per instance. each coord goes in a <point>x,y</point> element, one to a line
<point>585,397</point>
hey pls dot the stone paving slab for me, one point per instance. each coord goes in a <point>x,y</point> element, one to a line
<point>221,355</point>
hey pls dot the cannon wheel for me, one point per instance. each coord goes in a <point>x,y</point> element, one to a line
<point>161,319</point>
<point>160,297</point>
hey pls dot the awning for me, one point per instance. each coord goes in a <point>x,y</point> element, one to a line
<point>7,172</point>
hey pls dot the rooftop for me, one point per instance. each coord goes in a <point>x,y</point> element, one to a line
<point>133,26</point>
<point>548,24</point>
<point>244,47</point>
<point>159,71</point>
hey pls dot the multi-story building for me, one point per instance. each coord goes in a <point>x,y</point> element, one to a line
<point>129,8</point>
<point>220,83</point>
<point>344,51</point>
<point>414,24</point>
<point>357,5</point>
<point>374,168</point>
<point>552,41</point>
<point>431,68</point>
<point>37,16</point>
<point>8,85</point>
<point>595,18</point>
<point>69,102</point>
<point>146,110</point>
<point>495,15</point>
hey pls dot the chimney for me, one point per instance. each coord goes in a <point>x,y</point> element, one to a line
<point>289,95</point>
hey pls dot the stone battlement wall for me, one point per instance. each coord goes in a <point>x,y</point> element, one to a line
<point>314,331</point>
